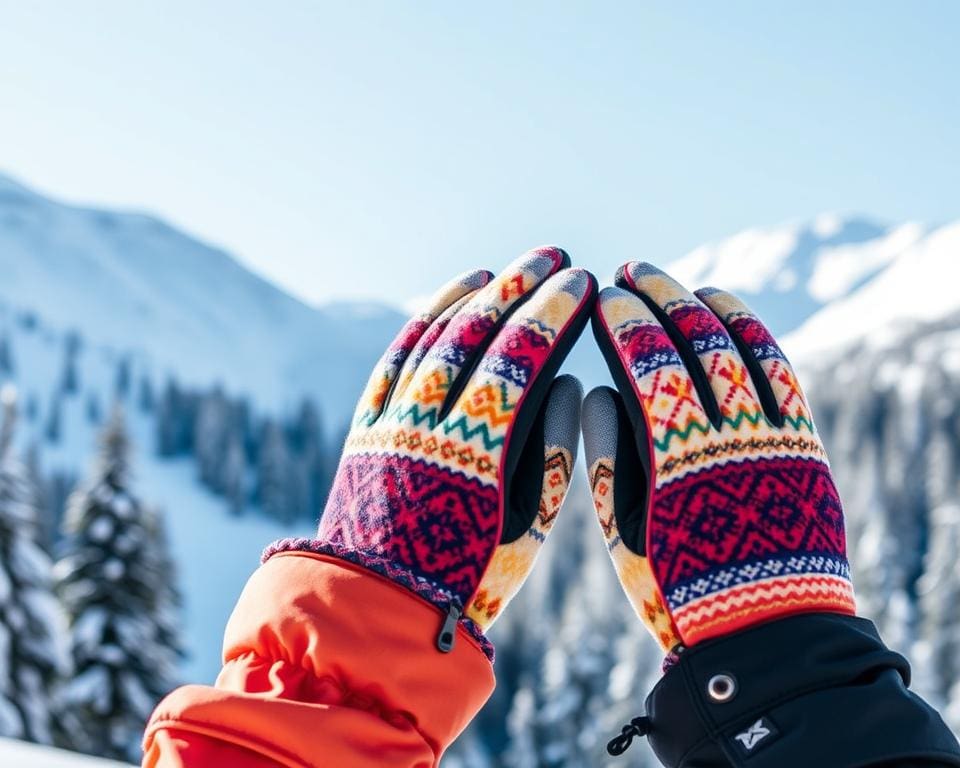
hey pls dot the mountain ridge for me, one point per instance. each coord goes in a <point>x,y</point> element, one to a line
<point>136,283</point>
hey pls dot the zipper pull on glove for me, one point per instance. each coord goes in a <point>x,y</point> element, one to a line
<point>448,630</point>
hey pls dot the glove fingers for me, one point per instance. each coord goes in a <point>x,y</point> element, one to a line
<point>545,468</point>
<point>711,357</point>
<point>440,376</point>
<point>621,507</point>
<point>776,381</point>
<point>424,345</point>
<point>385,372</point>
<point>503,395</point>
<point>658,391</point>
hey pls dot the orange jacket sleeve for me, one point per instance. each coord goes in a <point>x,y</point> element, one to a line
<point>325,664</point>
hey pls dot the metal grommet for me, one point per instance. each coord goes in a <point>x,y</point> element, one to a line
<point>721,688</point>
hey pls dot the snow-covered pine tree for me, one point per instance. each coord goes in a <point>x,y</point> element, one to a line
<point>274,474</point>
<point>70,378</point>
<point>314,458</point>
<point>145,399</point>
<point>6,355</point>
<point>56,485</point>
<point>93,408</point>
<point>53,426</point>
<point>32,654</point>
<point>32,409</point>
<point>111,580</point>
<point>167,598</point>
<point>175,421</point>
<point>235,475</point>
<point>122,378</point>
<point>211,434</point>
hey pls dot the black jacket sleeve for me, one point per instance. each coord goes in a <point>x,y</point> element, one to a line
<point>810,691</point>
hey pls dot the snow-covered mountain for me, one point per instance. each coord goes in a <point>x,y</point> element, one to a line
<point>835,281</point>
<point>917,285</point>
<point>788,273</point>
<point>134,283</point>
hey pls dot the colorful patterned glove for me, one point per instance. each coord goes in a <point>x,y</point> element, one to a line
<point>462,444</point>
<point>711,485</point>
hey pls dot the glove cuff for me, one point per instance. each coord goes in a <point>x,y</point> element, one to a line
<point>427,590</point>
<point>816,689</point>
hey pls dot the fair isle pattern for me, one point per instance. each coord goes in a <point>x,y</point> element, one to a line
<point>779,372</point>
<point>419,481</point>
<point>731,494</point>
<point>411,512</point>
<point>423,345</point>
<point>633,570</point>
<point>423,325</point>
<point>740,607</point>
<point>425,444</point>
<point>759,570</point>
<point>512,562</point>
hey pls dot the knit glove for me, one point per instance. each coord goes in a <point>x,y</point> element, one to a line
<point>711,485</point>
<point>462,444</point>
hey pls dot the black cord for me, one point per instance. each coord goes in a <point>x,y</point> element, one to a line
<point>639,726</point>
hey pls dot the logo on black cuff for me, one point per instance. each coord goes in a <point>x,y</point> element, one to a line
<point>756,737</point>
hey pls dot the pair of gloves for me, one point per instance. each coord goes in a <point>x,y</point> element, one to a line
<point>710,483</point>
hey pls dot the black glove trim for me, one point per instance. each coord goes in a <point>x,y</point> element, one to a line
<point>817,690</point>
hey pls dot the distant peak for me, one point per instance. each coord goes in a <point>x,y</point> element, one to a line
<point>831,226</point>
<point>10,186</point>
<point>827,224</point>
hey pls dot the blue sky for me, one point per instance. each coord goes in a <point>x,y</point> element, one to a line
<point>367,150</point>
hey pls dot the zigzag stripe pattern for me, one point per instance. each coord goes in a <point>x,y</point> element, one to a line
<point>488,426</point>
<point>742,606</point>
<point>753,418</point>
<point>483,429</point>
<point>758,570</point>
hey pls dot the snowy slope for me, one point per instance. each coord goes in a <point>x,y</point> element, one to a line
<point>135,283</point>
<point>919,285</point>
<point>788,273</point>
<point>20,754</point>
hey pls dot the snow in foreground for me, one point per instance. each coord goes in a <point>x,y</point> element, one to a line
<point>20,754</point>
